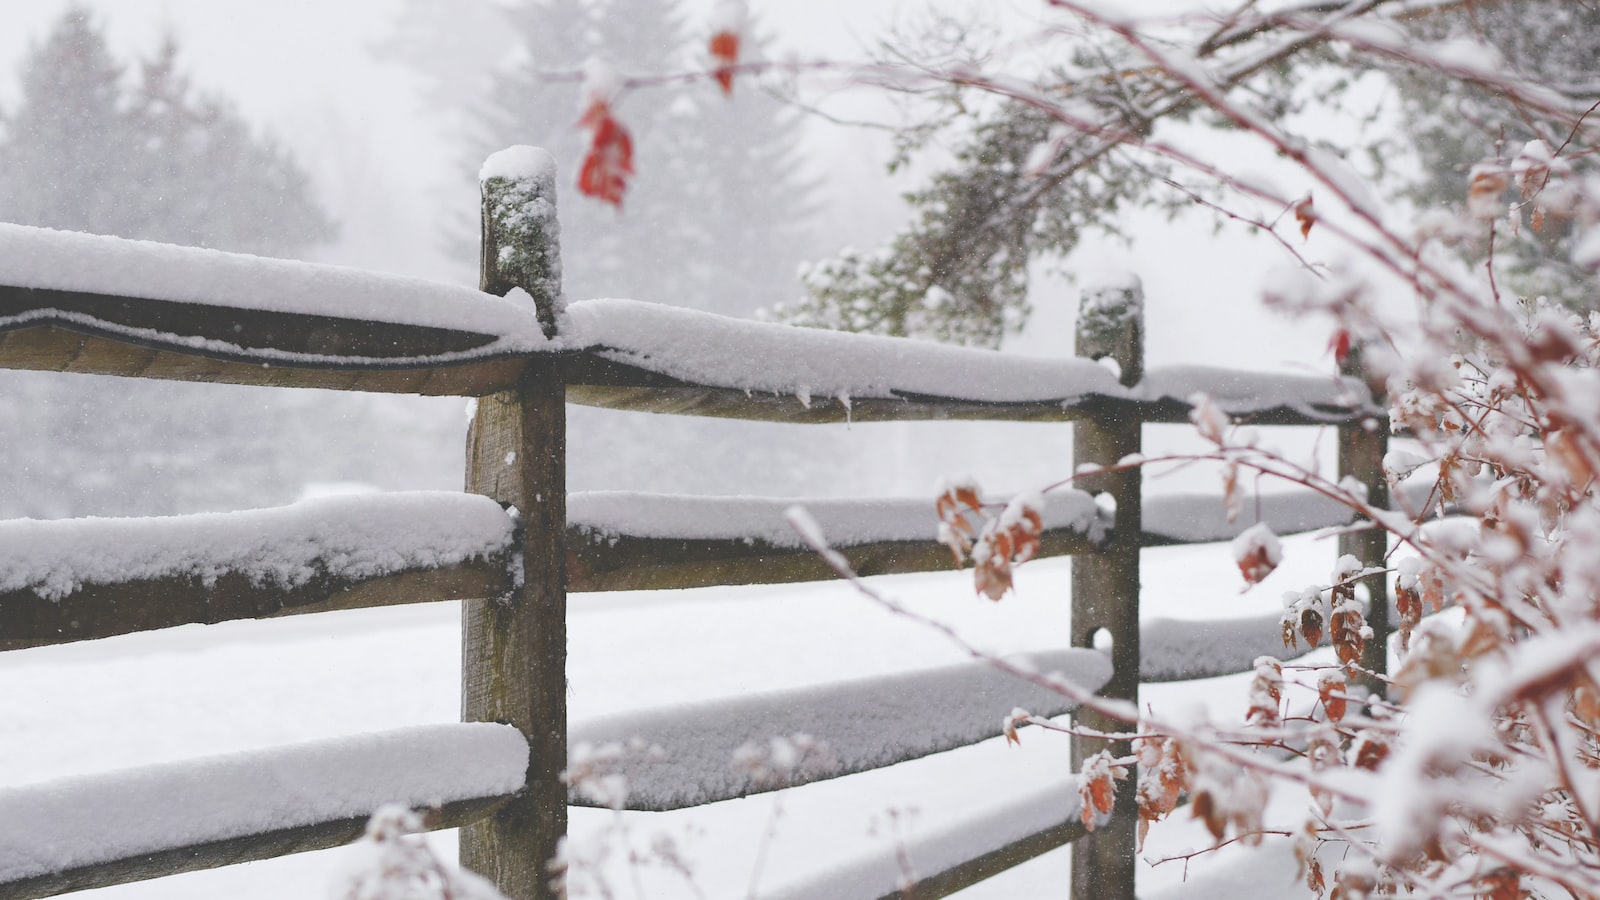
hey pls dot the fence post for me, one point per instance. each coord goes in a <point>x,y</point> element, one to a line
<point>514,648</point>
<point>1105,585</point>
<point>1362,446</point>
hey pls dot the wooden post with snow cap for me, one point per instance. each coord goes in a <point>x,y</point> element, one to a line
<point>1105,585</point>
<point>514,648</point>
<point>1362,446</point>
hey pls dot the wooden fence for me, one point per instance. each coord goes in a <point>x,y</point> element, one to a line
<point>193,315</point>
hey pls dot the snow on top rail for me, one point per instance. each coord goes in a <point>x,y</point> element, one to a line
<point>91,830</point>
<point>622,540</point>
<point>1202,518</point>
<point>75,579</point>
<point>77,263</point>
<point>72,302</point>
<point>860,725</point>
<point>90,303</point>
<point>629,541</point>
<point>846,522</point>
<point>345,538</point>
<point>956,856</point>
<point>664,359</point>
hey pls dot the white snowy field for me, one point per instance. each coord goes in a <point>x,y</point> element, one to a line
<point>199,690</point>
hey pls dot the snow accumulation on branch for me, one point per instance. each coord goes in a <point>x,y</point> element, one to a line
<point>883,873</point>
<point>793,737</point>
<point>342,538</point>
<point>82,821</point>
<point>846,522</point>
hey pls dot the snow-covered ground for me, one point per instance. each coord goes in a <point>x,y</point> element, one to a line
<point>163,696</point>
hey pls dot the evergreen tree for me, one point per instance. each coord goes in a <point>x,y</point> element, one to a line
<point>153,161</point>
<point>714,218</point>
<point>90,149</point>
<point>751,203</point>
<point>68,147</point>
<point>1024,185</point>
<point>1451,125</point>
<point>206,180</point>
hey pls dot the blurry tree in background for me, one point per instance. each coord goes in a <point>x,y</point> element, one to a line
<point>85,150</point>
<point>90,149</point>
<point>959,270</point>
<point>1452,125</point>
<point>716,218</point>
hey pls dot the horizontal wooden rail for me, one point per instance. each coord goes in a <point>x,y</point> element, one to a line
<point>99,830</point>
<point>664,359</point>
<point>598,562</point>
<point>251,848</point>
<point>637,541</point>
<point>323,352</point>
<point>594,380</point>
<point>1184,649</point>
<point>71,580</point>
<point>91,350</point>
<point>956,857</point>
<point>106,610</point>
<point>616,541</point>
<point>634,541</point>
<point>75,302</point>
<point>862,725</point>
<point>101,305</point>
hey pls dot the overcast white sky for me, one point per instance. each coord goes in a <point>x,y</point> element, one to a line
<point>301,68</point>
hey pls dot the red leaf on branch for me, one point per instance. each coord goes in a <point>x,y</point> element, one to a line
<point>1331,688</point>
<point>1340,345</point>
<point>1096,792</point>
<point>1347,630</point>
<point>1257,551</point>
<point>727,33</point>
<point>1305,215</point>
<point>1013,537</point>
<point>609,162</point>
<point>959,507</point>
<point>1266,693</point>
<point>725,49</point>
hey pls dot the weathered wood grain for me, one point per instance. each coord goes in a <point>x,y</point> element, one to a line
<point>514,650</point>
<point>49,346</point>
<point>105,610</point>
<point>1362,447</point>
<point>1105,586</point>
<point>593,380</point>
<point>981,868</point>
<point>598,562</point>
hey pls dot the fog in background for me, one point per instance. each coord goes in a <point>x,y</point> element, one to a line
<point>383,120</point>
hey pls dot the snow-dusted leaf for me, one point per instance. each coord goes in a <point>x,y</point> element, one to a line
<point>1257,551</point>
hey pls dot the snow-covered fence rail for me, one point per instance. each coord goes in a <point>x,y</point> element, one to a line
<point>100,305</point>
<point>516,544</point>
<point>67,580</point>
<point>72,580</point>
<point>90,831</point>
